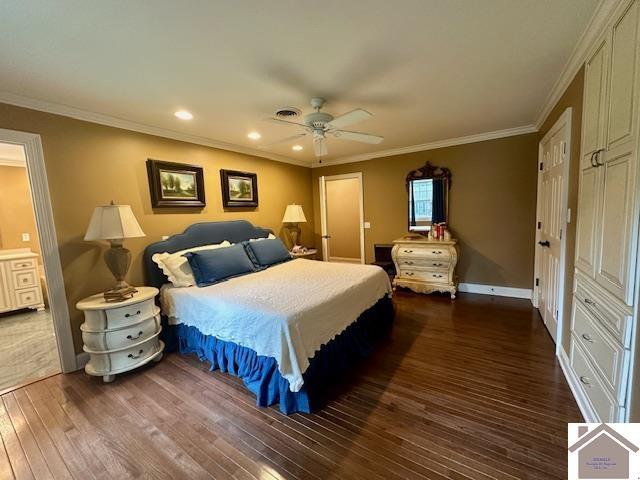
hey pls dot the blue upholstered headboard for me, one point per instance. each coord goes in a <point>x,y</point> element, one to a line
<point>194,236</point>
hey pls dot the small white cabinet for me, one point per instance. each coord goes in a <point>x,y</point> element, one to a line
<point>121,336</point>
<point>19,280</point>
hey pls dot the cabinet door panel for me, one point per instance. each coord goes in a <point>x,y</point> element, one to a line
<point>587,212</point>
<point>594,89</point>
<point>622,79</point>
<point>615,226</point>
<point>5,302</point>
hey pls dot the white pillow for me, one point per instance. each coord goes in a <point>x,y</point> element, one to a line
<point>270,237</point>
<point>177,268</point>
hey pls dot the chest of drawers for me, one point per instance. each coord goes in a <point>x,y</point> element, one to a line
<point>121,336</point>
<point>19,280</point>
<point>425,266</point>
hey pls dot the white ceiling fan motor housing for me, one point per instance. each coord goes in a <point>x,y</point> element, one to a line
<point>317,119</point>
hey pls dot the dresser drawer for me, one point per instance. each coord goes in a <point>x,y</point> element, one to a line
<point>117,361</point>
<point>124,316</point>
<point>429,253</point>
<point>423,263</point>
<point>608,356</point>
<point>604,405</point>
<point>22,264</point>
<point>123,337</point>
<point>425,276</point>
<point>28,297</point>
<point>615,320</point>
<point>25,278</point>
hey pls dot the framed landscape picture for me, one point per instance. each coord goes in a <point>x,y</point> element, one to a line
<point>239,189</point>
<point>175,184</point>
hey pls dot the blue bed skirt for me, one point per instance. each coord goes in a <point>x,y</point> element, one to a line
<point>260,374</point>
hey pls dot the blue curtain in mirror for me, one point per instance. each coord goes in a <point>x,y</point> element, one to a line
<point>439,208</point>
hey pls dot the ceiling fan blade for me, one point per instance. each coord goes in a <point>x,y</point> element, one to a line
<point>320,146</point>
<point>285,122</point>
<point>358,137</point>
<point>284,140</point>
<point>349,118</point>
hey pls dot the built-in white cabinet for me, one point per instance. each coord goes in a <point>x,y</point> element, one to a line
<point>604,302</point>
<point>19,280</point>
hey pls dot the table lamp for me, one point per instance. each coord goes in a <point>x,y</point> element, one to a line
<point>114,223</point>
<point>294,215</point>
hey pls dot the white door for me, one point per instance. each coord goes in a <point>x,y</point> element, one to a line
<point>341,216</point>
<point>551,226</point>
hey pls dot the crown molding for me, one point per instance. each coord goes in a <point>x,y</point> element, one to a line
<point>12,162</point>
<point>84,115</point>
<point>480,137</point>
<point>595,27</point>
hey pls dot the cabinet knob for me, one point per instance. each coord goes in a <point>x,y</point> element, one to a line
<point>131,337</point>
<point>585,380</point>
<point>587,337</point>
<point>132,314</point>
<point>131,355</point>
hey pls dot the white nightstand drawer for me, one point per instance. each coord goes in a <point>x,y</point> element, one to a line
<point>22,263</point>
<point>117,361</point>
<point>432,277</point>
<point>124,337</point>
<point>24,278</point>
<point>28,297</point>
<point>423,263</point>
<point>432,253</point>
<point>118,317</point>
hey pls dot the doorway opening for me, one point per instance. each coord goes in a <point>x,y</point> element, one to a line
<point>342,218</point>
<point>554,154</point>
<point>35,335</point>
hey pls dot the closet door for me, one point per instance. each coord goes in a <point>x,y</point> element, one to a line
<point>586,237</point>
<point>593,116</point>
<point>618,215</point>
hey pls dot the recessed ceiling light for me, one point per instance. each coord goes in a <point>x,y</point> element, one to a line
<point>183,115</point>
<point>254,135</point>
<point>297,148</point>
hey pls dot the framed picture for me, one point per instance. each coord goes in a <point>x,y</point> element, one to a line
<point>239,189</point>
<point>175,184</point>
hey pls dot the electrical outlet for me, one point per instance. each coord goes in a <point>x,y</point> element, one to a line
<point>26,237</point>
<point>367,224</point>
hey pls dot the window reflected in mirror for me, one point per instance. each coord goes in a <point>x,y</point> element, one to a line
<point>427,189</point>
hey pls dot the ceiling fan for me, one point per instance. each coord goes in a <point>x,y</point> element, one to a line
<point>320,124</point>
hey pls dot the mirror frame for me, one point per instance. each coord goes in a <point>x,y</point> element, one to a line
<point>425,172</point>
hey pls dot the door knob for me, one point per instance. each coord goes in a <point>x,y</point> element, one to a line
<point>326,236</point>
<point>544,244</point>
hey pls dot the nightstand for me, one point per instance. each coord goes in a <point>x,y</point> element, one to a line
<point>310,254</point>
<point>121,336</point>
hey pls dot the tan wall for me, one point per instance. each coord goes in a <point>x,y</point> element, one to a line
<point>343,217</point>
<point>492,204</point>
<point>572,97</point>
<point>16,210</point>
<point>89,165</point>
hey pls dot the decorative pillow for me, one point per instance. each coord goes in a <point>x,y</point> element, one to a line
<point>270,237</point>
<point>176,267</point>
<point>267,252</point>
<point>214,266</point>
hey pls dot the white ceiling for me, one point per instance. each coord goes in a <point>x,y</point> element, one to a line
<point>428,70</point>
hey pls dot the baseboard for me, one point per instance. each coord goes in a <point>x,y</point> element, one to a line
<point>495,290</point>
<point>584,405</point>
<point>81,360</point>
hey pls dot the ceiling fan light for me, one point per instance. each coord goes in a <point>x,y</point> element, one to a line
<point>183,115</point>
<point>254,135</point>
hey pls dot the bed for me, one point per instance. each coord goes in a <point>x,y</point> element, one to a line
<point>289,331</point>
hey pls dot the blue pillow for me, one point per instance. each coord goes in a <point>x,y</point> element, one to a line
<point>267,252</point>
<point>214,266</point>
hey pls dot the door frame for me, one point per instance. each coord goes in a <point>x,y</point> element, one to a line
<point>563,120</point>
<point>323,211</point>
<point>41,199</point>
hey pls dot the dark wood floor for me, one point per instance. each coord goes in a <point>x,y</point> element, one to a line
<point>463,390</point>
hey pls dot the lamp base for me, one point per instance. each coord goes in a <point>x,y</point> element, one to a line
<point>118,260</point>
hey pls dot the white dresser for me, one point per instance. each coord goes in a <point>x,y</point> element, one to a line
<point>19,280</point>
<point>605,298</point>
<point>121,336</point>
<point>425,265</point>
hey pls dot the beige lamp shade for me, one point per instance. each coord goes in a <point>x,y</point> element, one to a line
<point>294,214</point>
<point>112,222</point>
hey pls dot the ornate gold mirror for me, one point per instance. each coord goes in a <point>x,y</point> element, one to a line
<point>428,193</point>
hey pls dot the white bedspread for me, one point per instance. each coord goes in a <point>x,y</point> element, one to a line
<point>287,311</point>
